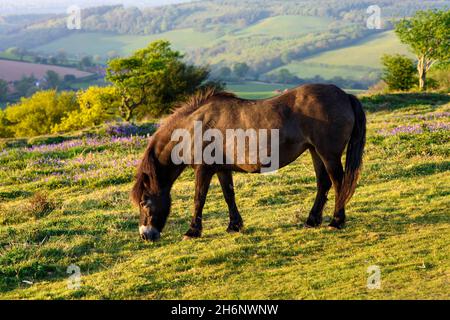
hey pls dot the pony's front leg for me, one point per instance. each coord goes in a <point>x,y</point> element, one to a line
<point>203,177</point>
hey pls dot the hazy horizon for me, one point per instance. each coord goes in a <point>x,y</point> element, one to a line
<point>8,7</point>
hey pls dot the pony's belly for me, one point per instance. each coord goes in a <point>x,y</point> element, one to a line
<point>288,153</point>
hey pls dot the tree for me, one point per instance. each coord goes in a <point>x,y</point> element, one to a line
<point>53,60</point>
<point>61,56</point>
<point>86,62</point>
<point>285,76</point>
<point>399,72</point>
<point>26,86</point>
<point>241,70</point>
<point>3,90</point>
<point>224,73</point>
<point>69,78</point>
<point>155,77</point>
<point>428,35</point>
<point>53,79</point>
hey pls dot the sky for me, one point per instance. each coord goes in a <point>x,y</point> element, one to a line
<point>60,6</point>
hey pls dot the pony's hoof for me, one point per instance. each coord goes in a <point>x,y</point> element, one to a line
<point>335,225</point>
<point>312,223</point>
<point>192,234</point>
<point>235,228</point>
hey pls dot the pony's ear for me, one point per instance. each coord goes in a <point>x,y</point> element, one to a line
<point>146,178</point>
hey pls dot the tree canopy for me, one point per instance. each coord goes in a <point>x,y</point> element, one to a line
<point>428,35</point>
<point>153,79</point>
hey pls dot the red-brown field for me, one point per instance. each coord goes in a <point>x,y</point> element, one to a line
<point>14,70</point>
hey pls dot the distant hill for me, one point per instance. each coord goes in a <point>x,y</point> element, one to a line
<point>356,61</point>
<point>309,37</point>
<point>60,6</point>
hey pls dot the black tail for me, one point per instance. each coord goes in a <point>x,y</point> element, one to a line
<point>355,150</point>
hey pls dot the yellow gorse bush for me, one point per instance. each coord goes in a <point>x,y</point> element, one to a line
<point>96,105</point>
<point>52,112</point>
<point>39,113</point>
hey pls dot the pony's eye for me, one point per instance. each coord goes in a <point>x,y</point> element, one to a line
<point>146,204</point>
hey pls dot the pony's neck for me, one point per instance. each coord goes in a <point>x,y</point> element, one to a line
<point>168,172</point>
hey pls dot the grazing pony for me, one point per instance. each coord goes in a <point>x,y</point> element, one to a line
<point>320,118</point>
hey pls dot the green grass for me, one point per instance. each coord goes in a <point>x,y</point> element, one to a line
<point>182,39</point>
<point>286,26</point>
<point>9,56</point>
<point>358,61</point>
<point>397,220</point>
<point>262,90</point>
<point>354,61</point>
<point>256,90</point>
<point>326,71</point>
<point>101,44</point>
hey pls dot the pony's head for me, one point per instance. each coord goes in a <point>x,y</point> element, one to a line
<point>151,197</point>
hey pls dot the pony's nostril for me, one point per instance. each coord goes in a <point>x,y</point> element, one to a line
<point>149,233</point>
<point>153,235</point>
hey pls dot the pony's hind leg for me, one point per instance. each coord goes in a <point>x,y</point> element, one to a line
<point>226,182</point>
<point>203,177</point>
<point>323,186</point>
<point>336,173</point>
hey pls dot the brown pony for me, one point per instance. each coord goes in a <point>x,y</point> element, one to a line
<point>320,118</point>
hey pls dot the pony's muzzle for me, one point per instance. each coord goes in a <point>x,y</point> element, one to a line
<point>149,233</point>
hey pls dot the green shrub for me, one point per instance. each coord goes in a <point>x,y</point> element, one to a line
<point>399,72</point>
<point>441,76</point>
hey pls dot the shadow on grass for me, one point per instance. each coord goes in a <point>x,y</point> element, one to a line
<point>421,170</point>
<point>402,100</point>
<point>397,223</point>
<point>12,195</point>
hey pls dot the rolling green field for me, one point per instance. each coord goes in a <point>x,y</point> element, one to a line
<point>358,61</point>
<point>350,62</point>
<point>286,26</point>
<point>101,44</point>
<point>256,90</point>
<point>184,39</point>
<point>366,53</point>
<point>67,203</point>
<point>262,90</point>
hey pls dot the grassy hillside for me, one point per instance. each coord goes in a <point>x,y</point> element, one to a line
<point>358,61</point>
<point>185,39</point>
<point>355,61</point>
<point>256,90</point>
<point>365,53</point>
<point>286,26</point>
<point>262,90</point>
<point>101,44</point>
<point>398,220</point>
